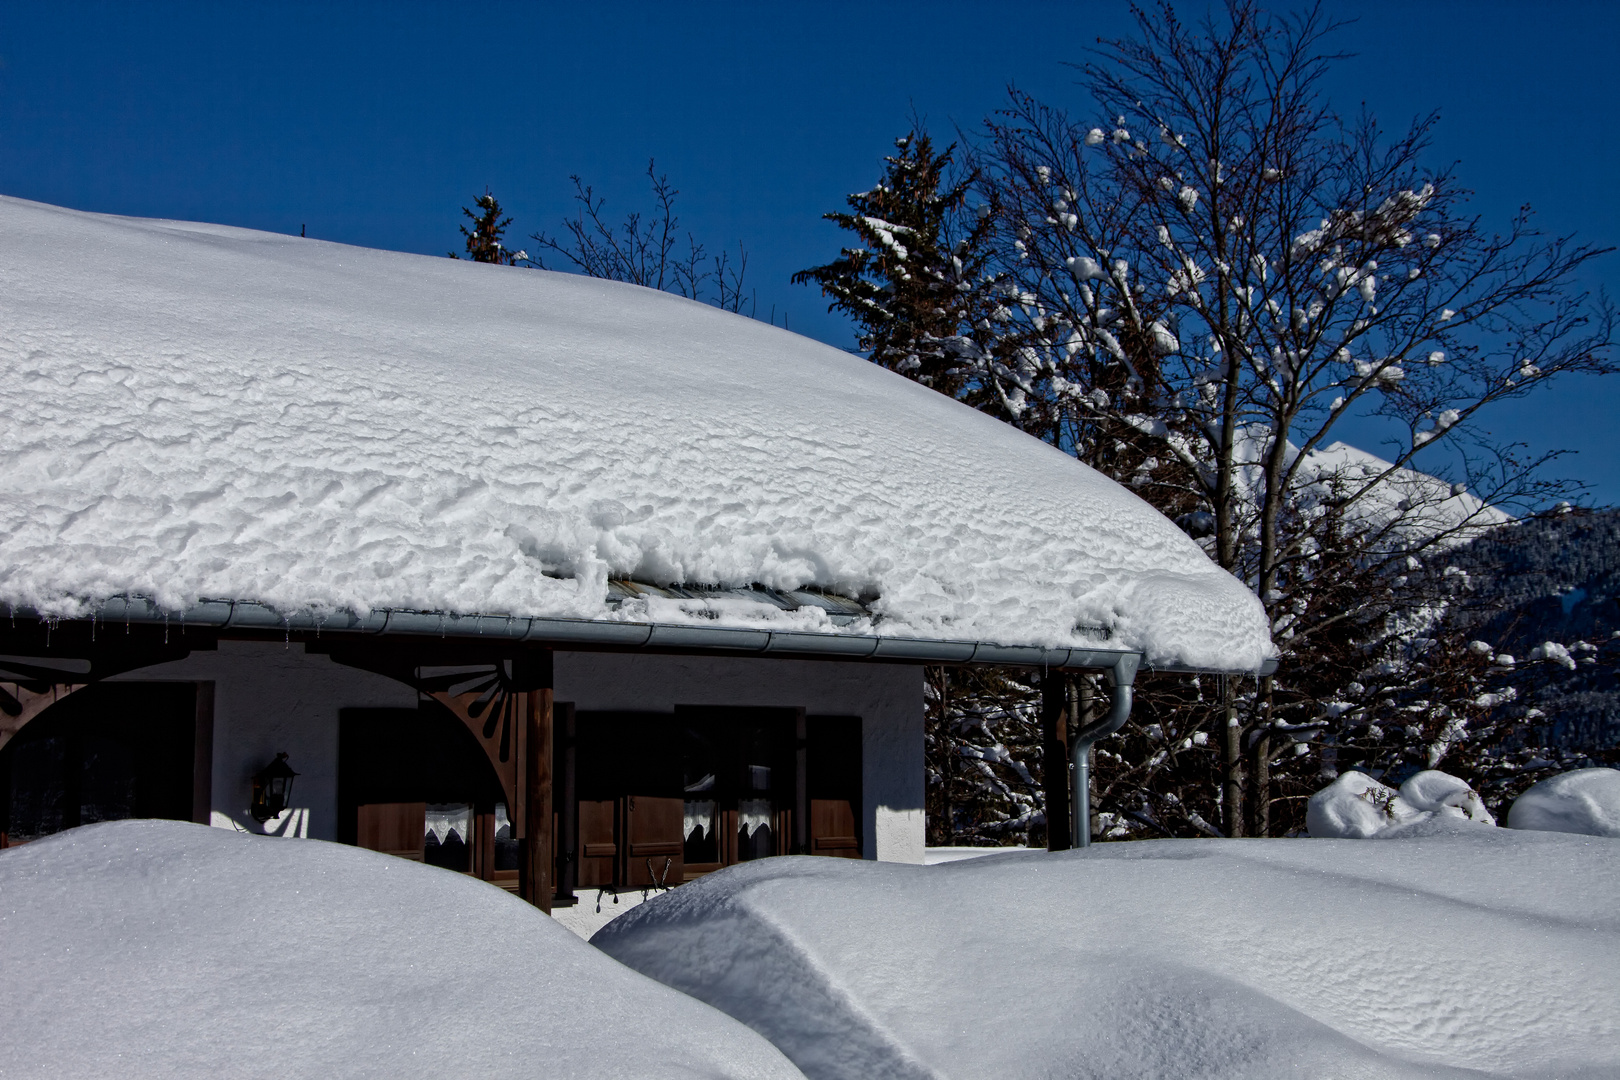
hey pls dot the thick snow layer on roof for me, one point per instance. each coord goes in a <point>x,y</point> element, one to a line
<point>161,949</point>
<point>1475,949</point>
<point>194,411</point>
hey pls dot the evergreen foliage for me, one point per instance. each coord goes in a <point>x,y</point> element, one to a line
<point>483,240</point>
<point>916,286</point>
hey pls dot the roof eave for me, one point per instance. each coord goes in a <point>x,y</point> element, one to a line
<point>589,634</point>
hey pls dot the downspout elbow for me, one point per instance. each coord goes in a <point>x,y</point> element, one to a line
<point>1123,678</point>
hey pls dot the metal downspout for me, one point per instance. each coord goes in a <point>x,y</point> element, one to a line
<point>1122,676</point>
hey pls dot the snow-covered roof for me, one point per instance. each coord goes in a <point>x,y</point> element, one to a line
<point>201,412</point>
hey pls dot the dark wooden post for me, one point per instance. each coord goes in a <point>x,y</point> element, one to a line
<point>568,804</point>
<point>1055,758</point>
<point>202,756</point>
<point>537,845</point>
<point>801,785</point>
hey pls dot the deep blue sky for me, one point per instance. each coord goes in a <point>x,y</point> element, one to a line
<point>374,123</point>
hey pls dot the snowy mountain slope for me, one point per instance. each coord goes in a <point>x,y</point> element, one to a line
<point>1415,504</point>
<point>192,411</point>
<point>162,949</point>
<point>1411,507</point>
<point>1469,951</point>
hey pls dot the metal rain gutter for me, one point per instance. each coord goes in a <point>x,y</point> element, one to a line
<point>588,634</point>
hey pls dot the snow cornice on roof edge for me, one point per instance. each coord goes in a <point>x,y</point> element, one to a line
<point>588,634</point>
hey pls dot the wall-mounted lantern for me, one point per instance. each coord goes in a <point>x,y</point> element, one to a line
<point>272,787</point>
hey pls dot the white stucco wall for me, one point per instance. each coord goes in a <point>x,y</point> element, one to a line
<point>887,697</point>
<point>271,697</point>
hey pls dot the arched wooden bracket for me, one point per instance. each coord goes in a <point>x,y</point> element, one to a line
<point>20,702</point>
<point>31,684</point>
<point>36,673</point>
<point>485,698</point>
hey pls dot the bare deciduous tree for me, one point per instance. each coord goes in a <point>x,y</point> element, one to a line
<point>645,248</point>
<point>1203,283</point>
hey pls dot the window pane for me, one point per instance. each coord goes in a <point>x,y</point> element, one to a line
<point>506,842</point>
<point>447,836</point>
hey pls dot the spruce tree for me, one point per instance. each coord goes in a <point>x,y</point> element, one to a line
<point>915,286</point>
<point>484,238</point>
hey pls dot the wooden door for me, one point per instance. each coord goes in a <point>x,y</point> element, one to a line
<point>833,776</point>
<point>654,825</point>
<point>598,851</point>
<point>392,828</point>
<point>833,828</point>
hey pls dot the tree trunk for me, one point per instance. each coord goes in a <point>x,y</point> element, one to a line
<point>1080,704</point>
<point>1232,761</point>
<point>1262,763</point>
<point>947,760</point>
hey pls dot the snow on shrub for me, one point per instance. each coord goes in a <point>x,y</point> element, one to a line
<point>1584,801</point>
<point>1356,807</point>
<point>162,949</point>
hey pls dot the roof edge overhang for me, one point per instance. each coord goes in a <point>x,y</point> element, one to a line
<point>251,618</point>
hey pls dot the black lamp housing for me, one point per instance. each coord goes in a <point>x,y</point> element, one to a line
<point>272,789</point>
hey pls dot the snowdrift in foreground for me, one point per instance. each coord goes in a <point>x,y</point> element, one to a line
<point>1584,801</point>
<point>1356,807</point>
<point>1476,949</point>
<point>194,411</point>
<point>161,949</point>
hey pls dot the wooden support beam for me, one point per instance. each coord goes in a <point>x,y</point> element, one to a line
<point>801,785</point>
<point>538,848</point>
<point>202,756</point>
<point>567,841</point>
<point>1055,758</point>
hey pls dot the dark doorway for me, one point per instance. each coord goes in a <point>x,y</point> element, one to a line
<point>833,775</point>
<point>107,752</point>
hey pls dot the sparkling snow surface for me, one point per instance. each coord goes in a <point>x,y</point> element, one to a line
<point>1471,948</point>
<point>194,411</point>
<point>162,949</point>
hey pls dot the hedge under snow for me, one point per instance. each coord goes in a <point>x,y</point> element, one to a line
<point>194,411</point>
<point>1471,951</point>
<point>161,949</point>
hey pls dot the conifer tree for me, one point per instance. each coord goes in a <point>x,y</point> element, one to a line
<point>915,286</point>
<point>484,238</point>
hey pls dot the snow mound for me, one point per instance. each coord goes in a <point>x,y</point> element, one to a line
<point>1356,807</point>
<point>194,411</point>
<point>162,949</point>
<point>1483,950</point>
<point>1584,801</point>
